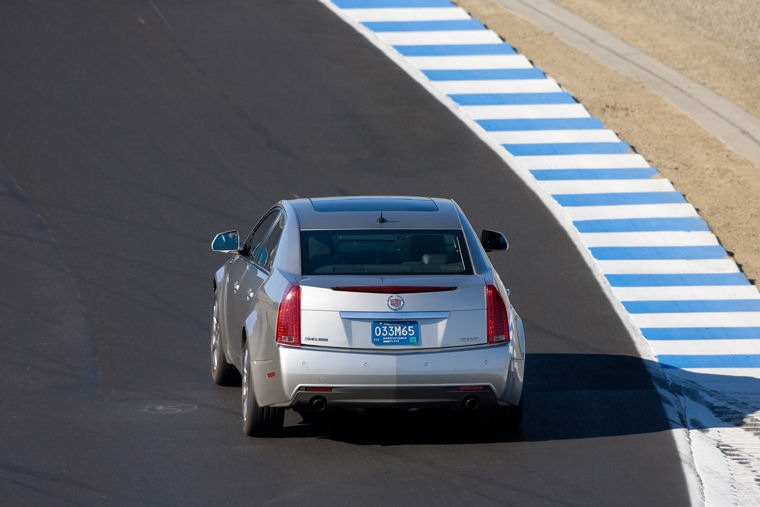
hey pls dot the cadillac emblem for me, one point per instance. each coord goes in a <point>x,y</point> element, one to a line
<point>395,302</point>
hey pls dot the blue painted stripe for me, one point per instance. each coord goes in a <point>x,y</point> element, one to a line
<point>424,26</point>
<point>380,4</point>
<point>541,124</point>
<point>528,149</point>
<point>693,306</point>
<point>713,361</point>
<point>627,198</point>
<point>677,280</point>
<point>642,224</point>
<point>701,333</point>
<point>507,99</point>
<point>608,253</point>
<point>639,173</point>
<point>455,49</point>
<point>483,74</point>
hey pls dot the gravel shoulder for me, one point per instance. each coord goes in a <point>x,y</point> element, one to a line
<point>722,185</point>
<point>716,44</point>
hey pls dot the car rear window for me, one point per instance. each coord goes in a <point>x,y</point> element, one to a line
<point>384,252</point>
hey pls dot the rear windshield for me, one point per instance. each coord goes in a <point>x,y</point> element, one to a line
<point>384,252</point>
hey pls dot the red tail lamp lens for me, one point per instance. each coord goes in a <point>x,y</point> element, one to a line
<point>497,320</point>
<point>289,318</point>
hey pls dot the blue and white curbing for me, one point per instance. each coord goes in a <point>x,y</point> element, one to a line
<point>666,273</point>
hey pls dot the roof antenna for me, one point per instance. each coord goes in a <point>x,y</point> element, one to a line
<point>382,219</point>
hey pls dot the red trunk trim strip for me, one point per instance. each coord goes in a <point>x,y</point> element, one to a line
<point>394,289</point>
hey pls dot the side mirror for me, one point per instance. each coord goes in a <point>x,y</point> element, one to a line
<point>226,242</point>
<point>493,240</point>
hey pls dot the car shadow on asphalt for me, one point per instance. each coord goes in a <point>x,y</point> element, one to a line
<point>567,396</point>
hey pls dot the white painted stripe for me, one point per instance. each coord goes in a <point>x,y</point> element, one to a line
<point>709,319</point>
<point>407,14</point>
<point>470,62</point>
<point>681,266</point>
<point>432,38</point>
<point>726,372</point>
<point>584,162</point>
<point>631,211</point>
<point>686,293</point>
<point>658,238</point>
<point>526,111</point>
<point>704,347</point>
<point>554,136</point>
<point>499,86</point>
<point>605,186</point>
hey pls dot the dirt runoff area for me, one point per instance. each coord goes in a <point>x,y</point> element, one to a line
<point>722,185</point>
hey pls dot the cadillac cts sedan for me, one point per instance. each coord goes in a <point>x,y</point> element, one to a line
<point>365,302</point>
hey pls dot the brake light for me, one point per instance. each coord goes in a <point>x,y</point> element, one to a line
<point>497,321</point>
<point>393,289</point>
<point>289,318</point>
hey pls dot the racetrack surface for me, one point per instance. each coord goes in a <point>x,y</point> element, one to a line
<point>131,132</point>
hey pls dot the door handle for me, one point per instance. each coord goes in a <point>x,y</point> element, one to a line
<point>250,295</point>
<point>235,286</point>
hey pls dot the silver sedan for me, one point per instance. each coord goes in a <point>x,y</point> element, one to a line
<point>365,302</point>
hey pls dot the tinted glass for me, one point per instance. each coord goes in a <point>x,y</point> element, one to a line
<point>384,252</point>
<point>378,204</point>
<point>269,245</point>
<point>260,232</point>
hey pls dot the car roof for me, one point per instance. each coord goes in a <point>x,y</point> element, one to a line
<point>376,212</point>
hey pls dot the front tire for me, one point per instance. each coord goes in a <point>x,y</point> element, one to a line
<point>257,421</point>
<point>222,372</point>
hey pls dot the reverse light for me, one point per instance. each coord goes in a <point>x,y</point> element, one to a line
<point>289,318</point>
<point>497,322</point>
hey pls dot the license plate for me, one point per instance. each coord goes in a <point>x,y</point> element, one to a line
<point>395,333</point>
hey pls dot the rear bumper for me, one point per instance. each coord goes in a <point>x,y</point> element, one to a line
<point>367,378</point>
<point>398,396</point>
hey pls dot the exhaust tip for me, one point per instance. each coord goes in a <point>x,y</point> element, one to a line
<point>471,403</point>
<point>318,403</point>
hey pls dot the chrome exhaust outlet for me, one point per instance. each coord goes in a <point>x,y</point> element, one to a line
<point>318,404</point>
<point>471,403</point>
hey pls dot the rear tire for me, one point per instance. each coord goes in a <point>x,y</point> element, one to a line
<point>257,421</point>
<point>222,372</point>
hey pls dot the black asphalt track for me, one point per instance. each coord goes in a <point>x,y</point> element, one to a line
<point>133,130</point>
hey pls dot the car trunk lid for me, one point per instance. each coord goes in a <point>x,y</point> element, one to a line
<point>393,313</point>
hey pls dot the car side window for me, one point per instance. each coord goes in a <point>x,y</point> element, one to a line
<point>259,233</point>
<point>269,245</point>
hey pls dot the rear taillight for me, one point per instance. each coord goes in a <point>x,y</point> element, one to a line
<point>289,318</point>
<point>497,321</point>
